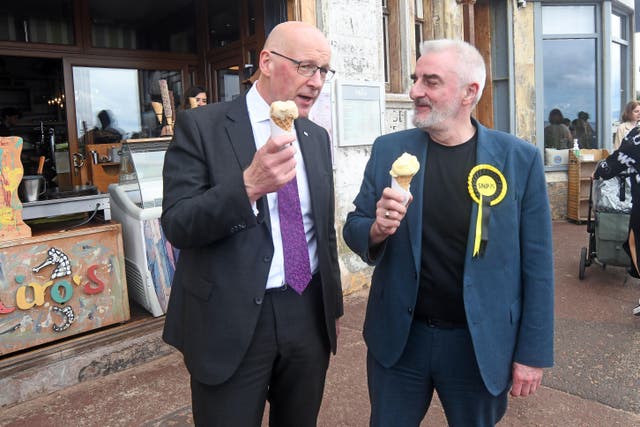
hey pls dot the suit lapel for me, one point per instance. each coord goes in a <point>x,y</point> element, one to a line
<point>418,147</point>
<point>240,134</point>
<point>311,148</point>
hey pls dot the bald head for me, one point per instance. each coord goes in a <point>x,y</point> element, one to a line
<point>290,45</point>
<point>288,34</point>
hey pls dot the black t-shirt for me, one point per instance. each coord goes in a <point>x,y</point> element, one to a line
<point>446,213</point>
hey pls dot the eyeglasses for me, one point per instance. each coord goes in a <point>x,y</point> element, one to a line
<point>308,70</point>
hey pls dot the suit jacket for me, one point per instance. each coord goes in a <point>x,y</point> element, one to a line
<point>226,250</point>
<point>508,292</point>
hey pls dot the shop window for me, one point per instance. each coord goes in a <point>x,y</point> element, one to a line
<point>37,21</point>
<point>161,25</point>
<point>228,83</point>
<point>620,65</point>
<point>114,104</point>
<point>224,23</point>
<point>569,58</point>
<point>586,70</point>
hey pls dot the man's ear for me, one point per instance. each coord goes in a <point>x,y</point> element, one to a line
<point>471,92</point>
<point>265,63</point>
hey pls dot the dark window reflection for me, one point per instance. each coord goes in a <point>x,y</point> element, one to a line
<point>34,21</point>
<point>252,17</point>
<point>163,25</point>
<point>114,103</point>
<point>570,88</point>
<point>228,81</point>
<point>224,20</point>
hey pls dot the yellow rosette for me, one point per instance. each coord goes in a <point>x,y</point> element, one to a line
<point>487,187</point>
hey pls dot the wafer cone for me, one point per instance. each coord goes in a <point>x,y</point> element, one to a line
<point>284,124</point>
<point>404,181</point>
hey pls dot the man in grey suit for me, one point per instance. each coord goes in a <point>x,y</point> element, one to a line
<point>248,329</point>
<point>461,300</point>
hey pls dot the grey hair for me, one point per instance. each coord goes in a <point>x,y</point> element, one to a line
<point>470,67</point>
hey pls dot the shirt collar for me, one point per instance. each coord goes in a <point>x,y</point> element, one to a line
<point>258,107</point>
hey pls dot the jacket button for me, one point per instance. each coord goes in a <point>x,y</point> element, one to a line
<point>410,310</point>
<point>266,258</point>
<point>257,300</point>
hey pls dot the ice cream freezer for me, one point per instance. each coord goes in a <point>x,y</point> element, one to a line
<point>136,203</point>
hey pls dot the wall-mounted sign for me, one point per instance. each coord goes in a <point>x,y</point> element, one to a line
<point>360,112</point>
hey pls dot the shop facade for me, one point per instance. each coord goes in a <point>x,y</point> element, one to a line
<point>65,64</point>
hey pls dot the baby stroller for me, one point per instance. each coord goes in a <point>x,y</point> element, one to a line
<point>607,223</point>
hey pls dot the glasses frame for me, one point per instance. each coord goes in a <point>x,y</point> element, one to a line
<point>325,73</point>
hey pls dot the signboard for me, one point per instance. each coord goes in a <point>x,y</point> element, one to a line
<point>360,112</point>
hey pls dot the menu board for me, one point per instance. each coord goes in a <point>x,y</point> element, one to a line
<point>360,112</point>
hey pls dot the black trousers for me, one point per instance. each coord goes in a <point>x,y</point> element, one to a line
<point>285,364</point>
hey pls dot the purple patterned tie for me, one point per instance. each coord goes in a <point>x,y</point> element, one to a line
<point>297,272</point>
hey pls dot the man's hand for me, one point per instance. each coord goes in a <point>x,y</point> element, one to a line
<point>526,380</point>
<point>389,213</point>
<point>272,167</point>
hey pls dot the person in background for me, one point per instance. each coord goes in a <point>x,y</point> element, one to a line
<point>9,117</point>
<point>626,159</point>
<point>195,97</point>
<point>583,131</point>
<point>462,293</point>
<point>629,120</point>
<point>251,325</point>
<point>556,133</point>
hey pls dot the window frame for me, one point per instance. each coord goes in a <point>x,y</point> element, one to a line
<point>600,95</point>
<point>392,45</point>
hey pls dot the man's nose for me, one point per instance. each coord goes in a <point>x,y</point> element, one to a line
<point>316,80</point>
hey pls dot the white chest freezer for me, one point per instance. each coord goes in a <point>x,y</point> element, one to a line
<point>136,203</point>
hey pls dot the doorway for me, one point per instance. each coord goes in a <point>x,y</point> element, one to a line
<point>32,92</point>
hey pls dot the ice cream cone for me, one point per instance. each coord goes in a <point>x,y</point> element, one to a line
<point>192,102</point>
<point>402,171</point>
<point>282,114</point>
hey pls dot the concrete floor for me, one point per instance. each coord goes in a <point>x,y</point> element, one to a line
<point>596,380</point>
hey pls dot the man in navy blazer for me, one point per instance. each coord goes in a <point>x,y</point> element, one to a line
<point>246,335</point>
<point>461,299</point>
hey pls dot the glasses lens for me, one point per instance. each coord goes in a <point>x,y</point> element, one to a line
<point>307,70</point>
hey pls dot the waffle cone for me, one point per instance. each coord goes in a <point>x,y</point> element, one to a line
<point>404,181</point>
<point>285,124</point>
<point>192,102</point>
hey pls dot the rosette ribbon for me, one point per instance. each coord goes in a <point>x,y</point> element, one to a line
<point>487,187</point>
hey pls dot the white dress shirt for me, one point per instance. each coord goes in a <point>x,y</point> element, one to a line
<point>259,116</point>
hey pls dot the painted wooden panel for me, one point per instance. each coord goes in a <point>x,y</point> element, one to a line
<point>11,171</point>
<point>61,284</point>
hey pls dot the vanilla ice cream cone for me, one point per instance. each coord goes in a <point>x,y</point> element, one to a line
<point>282,114</point>
<point>402,172</point>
